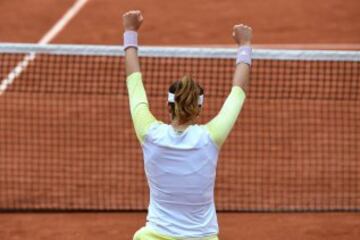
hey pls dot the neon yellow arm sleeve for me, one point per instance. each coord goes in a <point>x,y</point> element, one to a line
<point>139,106</point>
<point>220,126</point>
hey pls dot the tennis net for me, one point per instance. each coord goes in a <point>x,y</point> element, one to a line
<point>67,142</point>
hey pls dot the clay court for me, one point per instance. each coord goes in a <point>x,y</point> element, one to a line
<point>332,24</point>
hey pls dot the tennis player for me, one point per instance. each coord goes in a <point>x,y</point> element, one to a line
<point>181,157</point>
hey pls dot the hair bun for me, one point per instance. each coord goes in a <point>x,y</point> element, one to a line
<point>187,93</point>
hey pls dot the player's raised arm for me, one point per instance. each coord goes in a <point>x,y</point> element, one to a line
<point>220,126</point>
<point>132,21</point>
<point>139,105</point>
<point>242,35</point>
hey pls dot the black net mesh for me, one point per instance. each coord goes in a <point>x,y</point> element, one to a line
<point>67,142</point>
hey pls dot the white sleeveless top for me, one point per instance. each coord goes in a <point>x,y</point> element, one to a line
<point>181,170</point>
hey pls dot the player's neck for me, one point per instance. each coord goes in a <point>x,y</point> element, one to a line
<point>180,127</point>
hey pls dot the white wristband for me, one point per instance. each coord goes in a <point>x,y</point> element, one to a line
<point>244,55</point>
<point>130,39</point>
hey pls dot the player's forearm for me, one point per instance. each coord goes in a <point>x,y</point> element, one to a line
<point>243,64</point>
<point>132,64</point>
<point>242,76</point>
<point>242,35</point>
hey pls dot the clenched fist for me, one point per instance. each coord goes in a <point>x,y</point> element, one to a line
<point>242,34</point>
<point>132,20</point>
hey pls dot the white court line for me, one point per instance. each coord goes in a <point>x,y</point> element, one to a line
<point>21,66</point>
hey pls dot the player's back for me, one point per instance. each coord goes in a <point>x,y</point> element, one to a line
<point>181,169</point>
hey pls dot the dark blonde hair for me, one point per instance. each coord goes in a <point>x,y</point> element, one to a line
<point>187,92</point>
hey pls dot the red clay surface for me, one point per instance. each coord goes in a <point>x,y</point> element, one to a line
<point>121,226</point>
<point>29,20</point>
<point>180,22</point>
<point>184,22</point>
